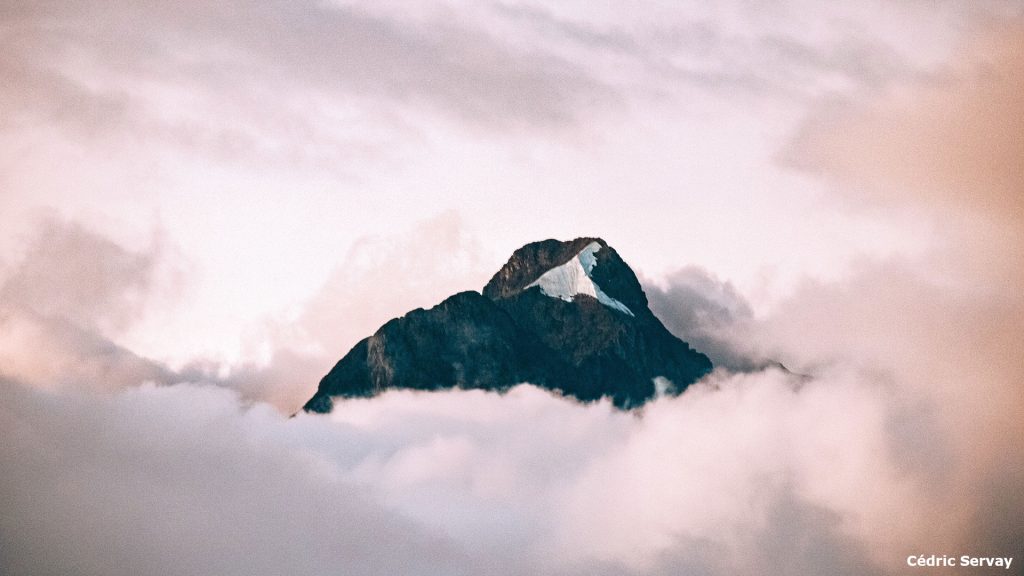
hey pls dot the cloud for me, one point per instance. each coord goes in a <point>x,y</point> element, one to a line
<point>83,277</point>
<point>709,314</point>
<point>381,277</point>
<point>385,275</point>
<point>181,480</point>
<point>62,305</point>
<point>940,326</point>
<point>952,143</point>
<point>323,84</point>
<point>51,352</point>
<point>73,293</point>
<point>243,78</point>
<point>184,480</point>
<point>931,334</point>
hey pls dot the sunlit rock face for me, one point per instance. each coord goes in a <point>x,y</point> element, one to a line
<point>567,316</point>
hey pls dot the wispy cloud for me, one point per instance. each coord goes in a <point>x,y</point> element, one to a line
<point>258,72</point>
<point>61,307</point>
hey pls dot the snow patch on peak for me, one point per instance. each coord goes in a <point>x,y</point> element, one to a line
<point>573,277</point>
<point>588,257</point>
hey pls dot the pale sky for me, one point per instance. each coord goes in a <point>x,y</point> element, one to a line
<point>257,144</point>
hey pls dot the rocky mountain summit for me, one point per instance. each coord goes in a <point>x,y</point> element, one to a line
<point>566,316</point>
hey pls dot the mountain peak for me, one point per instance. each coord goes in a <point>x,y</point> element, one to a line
<point>528,263</point>
<point>605,268</point>
<point>575,278</point>
<point>567,316</point>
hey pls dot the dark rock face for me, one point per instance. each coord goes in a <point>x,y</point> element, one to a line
<point>512,333</point>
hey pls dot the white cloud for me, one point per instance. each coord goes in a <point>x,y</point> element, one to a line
<point>183,480</point>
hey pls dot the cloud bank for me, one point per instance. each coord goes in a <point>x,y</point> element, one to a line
<point>183,480</point>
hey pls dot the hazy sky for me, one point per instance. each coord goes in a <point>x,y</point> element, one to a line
<point>226,196</point>
<point>256,145</point>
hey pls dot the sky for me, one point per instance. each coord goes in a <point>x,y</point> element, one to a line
<point>204,205</point>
